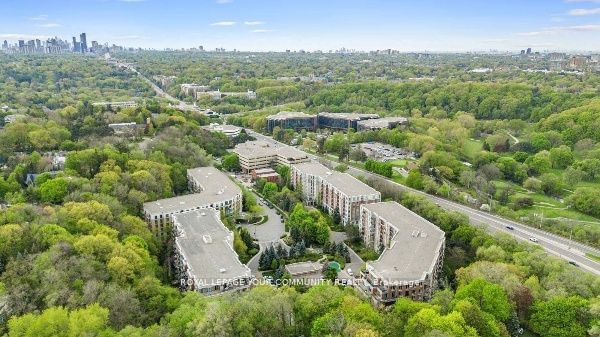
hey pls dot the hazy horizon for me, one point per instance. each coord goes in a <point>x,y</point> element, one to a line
<point>452,26</point>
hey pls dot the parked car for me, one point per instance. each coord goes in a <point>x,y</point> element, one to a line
<point>350,272</point>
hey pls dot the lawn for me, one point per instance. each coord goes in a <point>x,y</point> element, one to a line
<point>398,162</point>
<point>471,148</point>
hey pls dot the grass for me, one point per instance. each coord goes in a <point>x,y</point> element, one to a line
<point>398,162</point>
<point>593,257</point>
<point>471,148</point>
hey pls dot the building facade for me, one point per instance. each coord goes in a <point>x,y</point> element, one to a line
<point>332,190</point>
<point>412,253</point>
<point>204,258</point>
<point>255,155</point>
<point>342,121</point>
<point>211,189</point>
<point>292,120</point>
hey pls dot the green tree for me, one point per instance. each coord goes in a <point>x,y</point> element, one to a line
<point>231,162</point>
<point>54,190</point>
<point>560,317</point>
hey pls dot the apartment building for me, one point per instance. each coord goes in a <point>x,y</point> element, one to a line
<point>211,189</point>
<point>332,190</point>
<point>412,253</point>
<point>342,121</point>
<point>204,258</point>
<point>192,89</point>
<point>256,155</point>
<point>292,120</point>
<point>116,105</point>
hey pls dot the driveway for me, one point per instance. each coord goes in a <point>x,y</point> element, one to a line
<point>355,261</point>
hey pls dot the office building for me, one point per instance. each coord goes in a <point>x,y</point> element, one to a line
<point>116,105</point>
<point>192,89</point>
<point>292,120</point>
<point>342,121</point>
<point>332,190</point>
<point>204,258</point>
<point>211,189</point>
<point>381,123</point>
<point>412,253</point>
<point>230,131</point>
<point>84,46</point>
<point>255,155</point>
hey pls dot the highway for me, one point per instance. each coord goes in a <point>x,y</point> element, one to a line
<point>556,245</point>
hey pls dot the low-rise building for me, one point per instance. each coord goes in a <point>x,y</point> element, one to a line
<point>192,89</point>
<point>412,253</point>
<point>230,131</point>
<point>13,118</point>
<point>211,189</point>
<point>332,190</point>
<point>292,120</point>
<point>267,174</point>
<point>128,128</point>
<point>116,105</point>
<point>205,260</point>
<point>305,270</point>
<point>342,121</point>
<point>255,155</point>
<point>381,123</point>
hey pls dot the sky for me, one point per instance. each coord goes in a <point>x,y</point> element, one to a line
<point>277,25</point>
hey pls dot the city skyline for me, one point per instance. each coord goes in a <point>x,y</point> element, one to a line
<point>453,26</point>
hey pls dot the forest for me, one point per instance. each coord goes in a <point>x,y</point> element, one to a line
<point>77,258</point>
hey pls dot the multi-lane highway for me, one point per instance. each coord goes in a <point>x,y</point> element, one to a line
<point>561,247</point>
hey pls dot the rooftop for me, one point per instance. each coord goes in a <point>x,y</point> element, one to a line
<point>256,149</point>
<point>348,115</point>
<point>300,268</point>
<point>344,182</point>
<point>216,187</point>
<point>207,246</point>
<point>382,122</point>
<point>414,248</point>
<point>289,114</point>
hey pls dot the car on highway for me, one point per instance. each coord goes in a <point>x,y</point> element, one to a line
<point>510,227</point>
<point>532,239</point>
<point>573,263</point>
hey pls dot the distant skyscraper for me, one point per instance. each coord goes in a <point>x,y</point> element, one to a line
<point>21,43</point>
<point>528,50</point>
<point>75,45</point>
<point>84,47</point>
<point>5,45</point>
<point>38,44</point>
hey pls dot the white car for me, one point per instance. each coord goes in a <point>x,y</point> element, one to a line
<point>350,272</point>
<point>532,239</point>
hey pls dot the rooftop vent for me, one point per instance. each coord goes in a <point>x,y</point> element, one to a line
<point>222,270</point>
<point>207,238</point>
<point>203,214</point>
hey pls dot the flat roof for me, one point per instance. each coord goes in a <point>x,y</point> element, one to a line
<point>216,187</point>
<point>348,115</point>
<point>382,122</point>
<point>344,182</point>
<point>207,246</point>
<point>415,247</point>
<point>299,268</point>
<point>256,149</point>
<point>289,114</point>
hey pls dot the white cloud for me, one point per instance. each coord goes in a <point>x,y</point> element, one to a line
<point>262,31</point>
<point>224,23</point>
<point>41,17</point>
<point>222,2</point>
<point>584,11</point>
<point>18,36</point>
<point>564,29</point>
<point>50,25</point>
<point>254,23</point>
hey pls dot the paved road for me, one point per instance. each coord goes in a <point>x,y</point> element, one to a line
<point>561,247</point>
<point>355,261</point>
<point>266,234</point>
<point>181,105</point>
